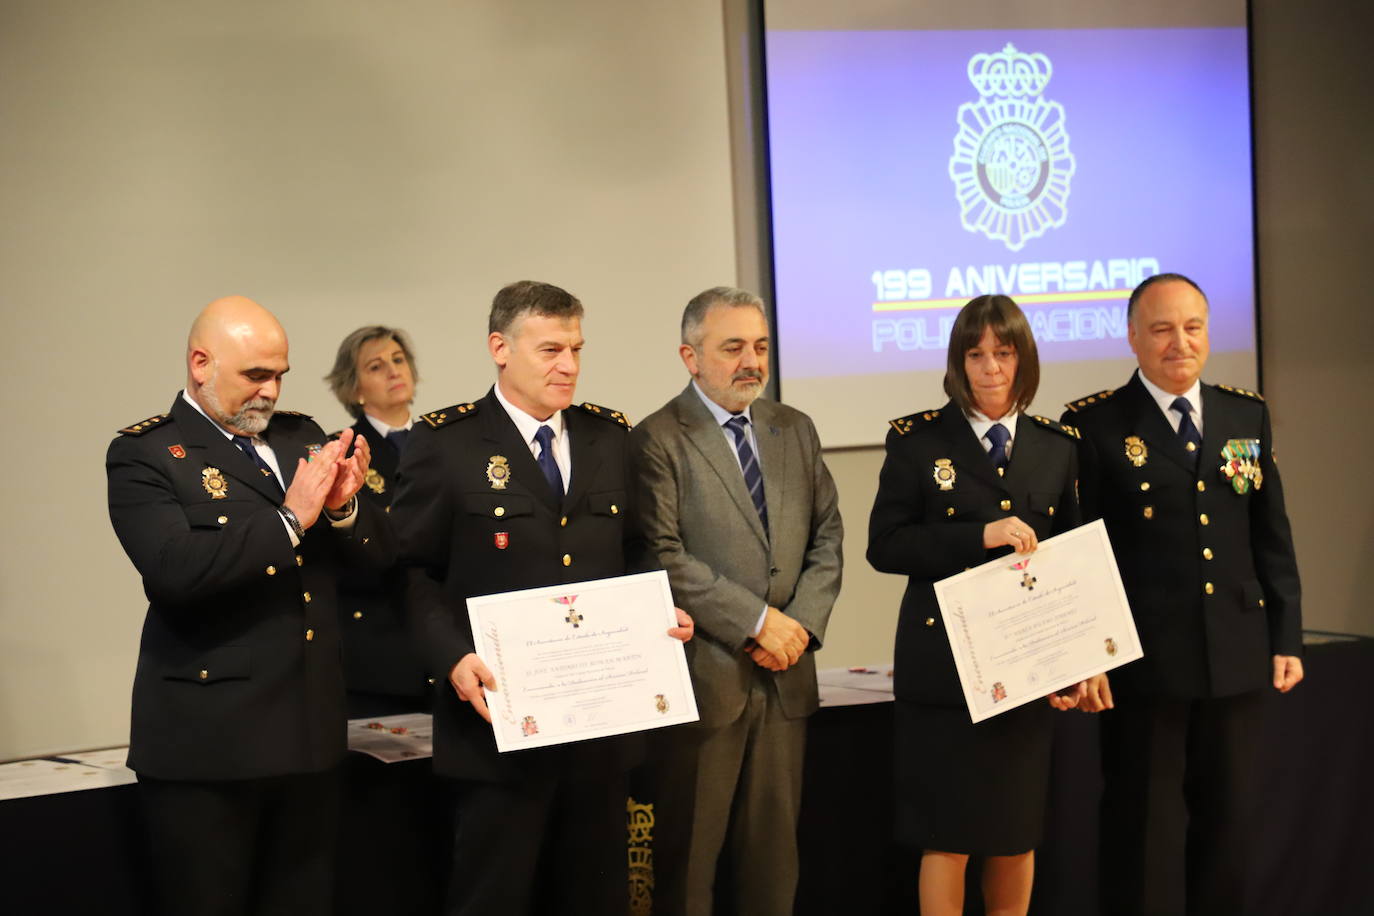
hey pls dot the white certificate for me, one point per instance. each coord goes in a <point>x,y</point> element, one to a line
<point>1024,626</point>
<point>583,660</point>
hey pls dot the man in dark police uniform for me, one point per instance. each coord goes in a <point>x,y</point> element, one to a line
<point>238,518</point>
<point>1183,474</point>
<point>515,491</point>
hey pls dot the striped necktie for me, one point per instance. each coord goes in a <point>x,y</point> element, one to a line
<point>749,464</point>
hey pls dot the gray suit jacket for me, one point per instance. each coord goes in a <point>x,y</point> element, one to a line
<point>697,516</point>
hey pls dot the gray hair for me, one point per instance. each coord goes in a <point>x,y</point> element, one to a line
<point>343,378</point>
<point>694,315</point>
<point>530,297</point>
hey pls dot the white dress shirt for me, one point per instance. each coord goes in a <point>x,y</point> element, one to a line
<point>1165,400</point>
<point>982,424</point>
<point>723,416</point>
<point>528,426</point>
<point>382,429</point>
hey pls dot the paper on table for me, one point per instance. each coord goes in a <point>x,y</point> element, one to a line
<point>391,739</point>
<point>27,778</point>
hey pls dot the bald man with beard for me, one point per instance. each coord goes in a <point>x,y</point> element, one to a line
<point>237,517</point>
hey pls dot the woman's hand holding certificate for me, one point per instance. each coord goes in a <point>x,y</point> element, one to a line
<point>1027,625</point>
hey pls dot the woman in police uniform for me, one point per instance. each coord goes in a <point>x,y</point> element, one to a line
<point>374,379</point>
<point>392,813</point>
<point>973,480</point>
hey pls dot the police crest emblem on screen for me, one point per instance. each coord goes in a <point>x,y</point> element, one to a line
<point>1011,165</point>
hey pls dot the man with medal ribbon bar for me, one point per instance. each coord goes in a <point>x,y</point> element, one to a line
<point>239,518</point>
<point>1183,475</point>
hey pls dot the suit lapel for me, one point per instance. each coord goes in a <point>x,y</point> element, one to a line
<point>1151,426</point>
<point>702,433</point>
<point>505,440</point>
<point>288,452</point>
<point>585,456</point>
<point>1025,462</point>
<point>1214,431</point>
<point>385,458</point>
<point>772,459</point>
<point>212,449</point>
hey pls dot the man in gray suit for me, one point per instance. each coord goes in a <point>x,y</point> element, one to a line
<point>736,501</point>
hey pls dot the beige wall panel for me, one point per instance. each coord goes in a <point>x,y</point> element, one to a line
<point>344,162</point>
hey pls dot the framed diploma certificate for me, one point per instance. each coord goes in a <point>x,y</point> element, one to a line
<point>1026,625</point>
<point>584,660</point>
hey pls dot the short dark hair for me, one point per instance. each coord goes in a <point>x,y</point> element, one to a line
<point>695,313</point>
<point>343,378</point>
<point>1009,325</point>
<point>1151,281</point>
<point>530,297</point>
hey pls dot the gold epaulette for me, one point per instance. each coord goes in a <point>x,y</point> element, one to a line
<point>142,426</point>
<point>605,413</point>
<point>448,415</point>
<point>1090,400</point>
<point>904,425</point>
<point>1241,392</point>
<point>1062,428</point>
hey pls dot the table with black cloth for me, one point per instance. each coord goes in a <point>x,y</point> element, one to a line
<point>83,851</point>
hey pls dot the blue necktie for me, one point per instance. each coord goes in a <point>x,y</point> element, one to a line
<point>245,444</point>
<point>1187,430</point>
<point>397,438</point>
<point>749,464</point>
<point>546,463</point>
<point>999,437</point>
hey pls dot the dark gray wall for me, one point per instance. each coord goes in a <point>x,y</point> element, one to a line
<point>1314,153</point>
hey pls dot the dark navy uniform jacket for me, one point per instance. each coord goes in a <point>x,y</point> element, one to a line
<point>379,653</point>
<point>1207,559</point>
<point>462,534</point>
<point>239,673</point>
<point>928,524</point>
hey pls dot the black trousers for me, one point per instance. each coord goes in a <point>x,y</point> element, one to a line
<point>1180,803</point>
<point>551,844</point>
<point>255,846</point>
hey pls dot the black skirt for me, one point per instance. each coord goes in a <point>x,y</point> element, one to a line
<point>976,789</point>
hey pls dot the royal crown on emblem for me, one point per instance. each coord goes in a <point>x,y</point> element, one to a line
<point>1009,72</point>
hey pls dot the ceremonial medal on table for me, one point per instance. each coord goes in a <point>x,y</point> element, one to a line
<point>498,472</point>
<point>944,473</point>
<point>1136,452</point>
<point>212,479</point>
<point>1241,464</point>
<point>375,482</point>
